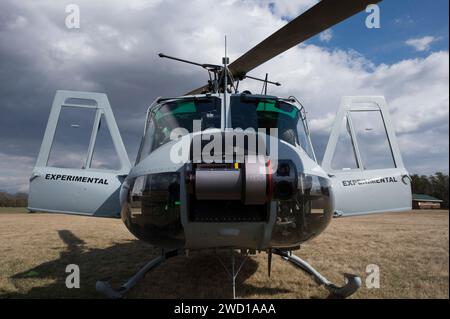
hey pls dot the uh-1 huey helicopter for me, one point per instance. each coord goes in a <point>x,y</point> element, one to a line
<point>220,169</point>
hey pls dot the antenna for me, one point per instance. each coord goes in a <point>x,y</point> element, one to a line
<point>264,88</point>
<point>225,46</point>
<point>225,62</point>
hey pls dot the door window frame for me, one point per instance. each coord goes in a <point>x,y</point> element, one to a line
<point>361,104</point>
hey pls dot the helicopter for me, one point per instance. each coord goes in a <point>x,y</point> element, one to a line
<point>220,169</point>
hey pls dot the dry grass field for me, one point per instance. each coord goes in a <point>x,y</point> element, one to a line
<point>411,249</point>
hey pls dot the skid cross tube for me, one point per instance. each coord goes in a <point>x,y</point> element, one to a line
<point>352,282</point>
<point>104,287</point>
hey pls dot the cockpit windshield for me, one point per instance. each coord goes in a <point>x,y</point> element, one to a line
<point>263,112</point>
<point>179,113</point>
<point>182,113</point>
<point>247,111</point>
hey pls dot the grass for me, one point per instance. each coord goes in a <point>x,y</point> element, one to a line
<point>9,210</point>
<point>411,250</point>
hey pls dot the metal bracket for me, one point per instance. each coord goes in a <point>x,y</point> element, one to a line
<point>233,273</point>
<point>406,176</point>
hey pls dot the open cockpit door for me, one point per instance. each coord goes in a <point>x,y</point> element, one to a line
<point>364,161</point>
<point>82,161</point>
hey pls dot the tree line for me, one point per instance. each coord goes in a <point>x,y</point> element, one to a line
<point>13,200</point>
<point>435,185</point>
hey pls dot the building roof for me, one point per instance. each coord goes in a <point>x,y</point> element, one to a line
<point>425,198</point>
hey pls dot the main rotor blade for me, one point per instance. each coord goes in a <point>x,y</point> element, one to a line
<point>317,19</point>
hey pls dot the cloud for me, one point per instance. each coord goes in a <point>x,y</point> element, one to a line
<point>421,44</point>
<point>115,51</point>
<point>404,20</point>
<point>18,22</point>
<point>416,91</point>
<point>326,36</point>
<point>288,8</point>
<point>15,172</point>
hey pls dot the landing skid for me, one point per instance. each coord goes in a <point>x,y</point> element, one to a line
<point>352,282</point>
<point>104,287</point>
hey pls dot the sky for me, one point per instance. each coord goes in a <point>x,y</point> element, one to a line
<point>115,51</point>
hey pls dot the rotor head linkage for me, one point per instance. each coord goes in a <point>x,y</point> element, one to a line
<point>217,75</point>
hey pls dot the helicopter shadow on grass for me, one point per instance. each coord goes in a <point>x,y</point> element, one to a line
<point>198,276</point>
